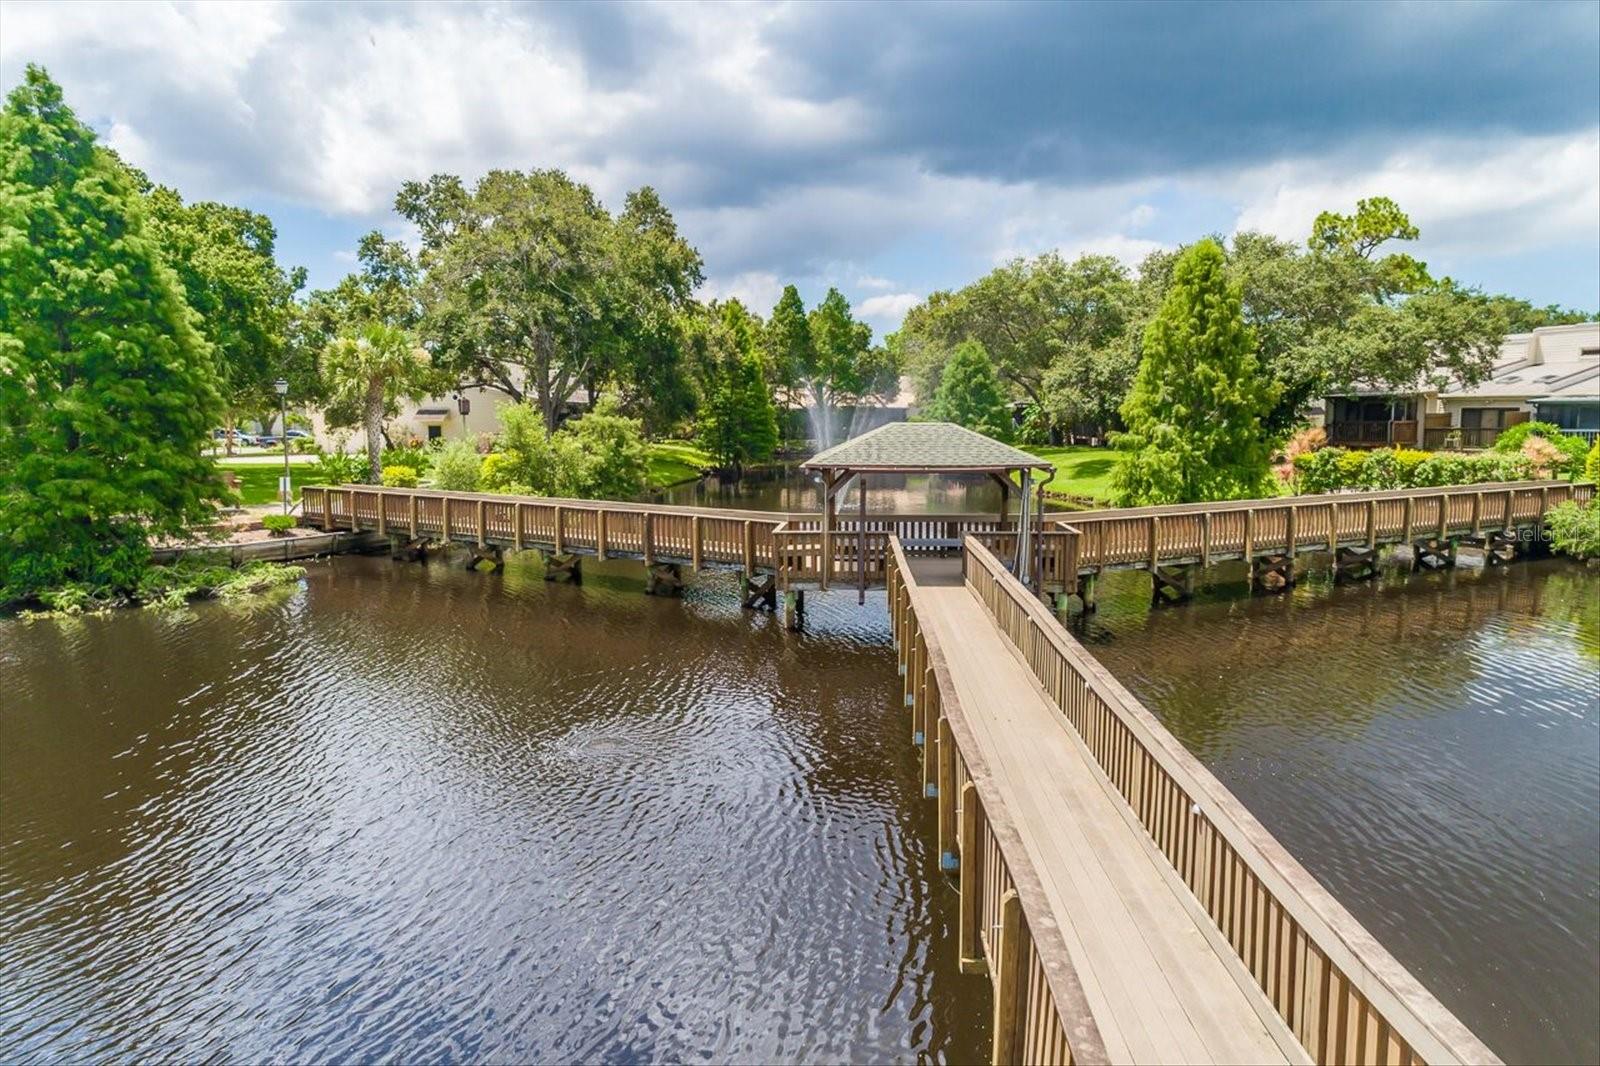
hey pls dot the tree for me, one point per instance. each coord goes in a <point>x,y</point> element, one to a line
<point>1195,413</point>
<point>370,370</point>
<point>1057,332</point>
<point>225,259</point>
<point>737,421</point>
<point>108,391</point>
<point>533,289</point>
<point>786,345</point>
<point>970,395</point>
<point>841,366</point>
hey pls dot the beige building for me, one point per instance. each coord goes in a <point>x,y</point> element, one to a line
<point>1551,374</point>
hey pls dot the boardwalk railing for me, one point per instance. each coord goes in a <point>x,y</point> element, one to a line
<point>1005,926</point>
<point>1242,529</point>
<point>1346,999</point>
<point>794,546</point>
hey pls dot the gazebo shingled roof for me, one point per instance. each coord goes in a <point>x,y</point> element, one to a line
<point>924,447</point>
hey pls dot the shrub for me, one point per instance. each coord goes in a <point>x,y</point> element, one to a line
<point>456,467</point>
<point>1306,440</point>
<point>1380,470</point>
<point>1591,465</point>
<point>1351,465</point>
<point>1512,437</point>
<point>400,477</point>
<point>1318,471</point>
<point>1574,528</point>
<point>279,524</point>
<point>415,456</point>
<point>527,458</point>
<point>337,468</point>
<point>602,454</point>
<point>1568,455</point>
<point>1406,462</point>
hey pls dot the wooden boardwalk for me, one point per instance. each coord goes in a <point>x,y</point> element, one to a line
<point>787,553</point>
<point>1125,905</point>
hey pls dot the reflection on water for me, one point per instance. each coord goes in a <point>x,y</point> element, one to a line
<point>412,812</point>
<point>1429,747</point>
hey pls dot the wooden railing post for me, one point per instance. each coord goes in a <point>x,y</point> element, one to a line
<point>970,950</point>
<point>694,542</point>
<point>383,512</point>
<point>561,530</point>
<point>1291,527</point>
<point>1444,514</point>
<point>1407,513</point>
<point>1333,527</point>
<point>479,519</point>
<point>1008,981</point>
<point>947,794</point>
<point>1249,534</point>
<point>749,548</point>
<point>649,539</point>
<point>1205,539</point>
<point>1155,532</point>
<point>327,511</point>
<point>413,517</point>
<point>516,525</point>
<point>1477,512</point>
<point>444,510</point>
<point>600,534</point>
<point>1372,524</point>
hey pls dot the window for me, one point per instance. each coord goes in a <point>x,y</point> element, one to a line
<point>1486,417</point>
<point>435,432</point>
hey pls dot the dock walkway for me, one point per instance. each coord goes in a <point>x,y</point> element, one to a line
<point>1156,986</point>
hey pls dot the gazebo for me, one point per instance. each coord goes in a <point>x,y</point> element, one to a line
<point>930,448</point>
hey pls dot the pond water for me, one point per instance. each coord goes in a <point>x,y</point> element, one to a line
<point>1429,747</point>
<point>411,812</point>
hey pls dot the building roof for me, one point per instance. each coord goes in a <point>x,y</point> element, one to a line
<point>1580,387</point>
<point>924,447</point>
<point>1548,361</point>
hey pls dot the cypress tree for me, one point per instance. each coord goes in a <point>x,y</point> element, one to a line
<point>108,392</point>
<point>970,394</point>
<point>1195,413</point>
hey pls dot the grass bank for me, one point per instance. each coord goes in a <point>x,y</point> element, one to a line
<point>672,462</point>
<point>258,483</point>
<point>1081,471</point>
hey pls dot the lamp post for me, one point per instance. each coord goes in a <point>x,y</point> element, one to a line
<point>281,387</point>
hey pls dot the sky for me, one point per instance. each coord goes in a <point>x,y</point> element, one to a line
<point>886,149</point>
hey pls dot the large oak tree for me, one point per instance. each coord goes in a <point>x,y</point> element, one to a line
<point>532,288</point>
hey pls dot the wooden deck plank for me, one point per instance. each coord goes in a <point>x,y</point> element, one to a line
<point>1159,991</point>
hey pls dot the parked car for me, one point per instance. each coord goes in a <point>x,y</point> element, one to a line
<point>267,440</point>
<point>297,434</point>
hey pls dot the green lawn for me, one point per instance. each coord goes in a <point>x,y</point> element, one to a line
<point>674,461</point>
<point>259,483</point>
<point>1080,469</point>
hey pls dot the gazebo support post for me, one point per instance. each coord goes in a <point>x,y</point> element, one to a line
<point>861,542</point>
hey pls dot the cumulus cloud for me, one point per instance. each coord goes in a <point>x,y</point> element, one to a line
<point>880,148</point>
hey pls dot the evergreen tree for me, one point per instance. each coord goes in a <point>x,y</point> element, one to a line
<point>108,392</point>
<point>1195,412</point>
<point>786,344</point>
<point>738,423</point>
<point>969,394</point>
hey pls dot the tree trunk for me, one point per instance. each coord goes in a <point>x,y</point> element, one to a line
<point>373,419</point>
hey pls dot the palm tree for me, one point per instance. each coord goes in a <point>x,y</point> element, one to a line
<point>370,371</point>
